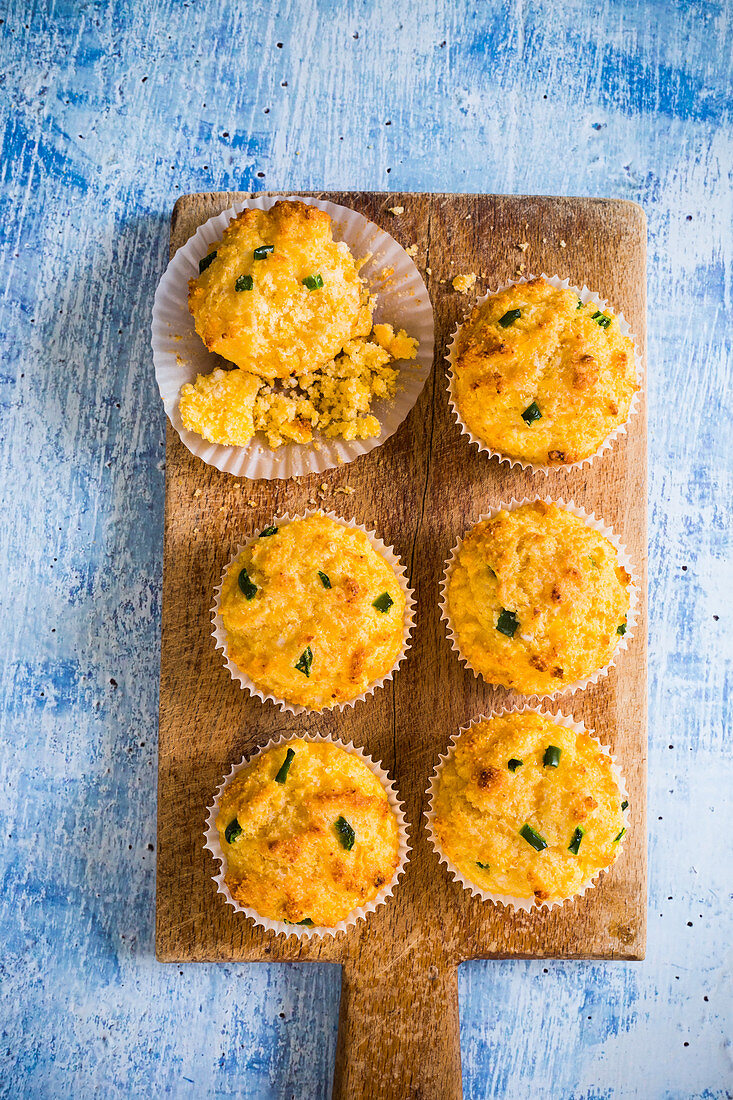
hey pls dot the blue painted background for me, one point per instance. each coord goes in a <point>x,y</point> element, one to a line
<point>109,111</point>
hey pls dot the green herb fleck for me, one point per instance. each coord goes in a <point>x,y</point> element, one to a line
<point>531,413</point>
<point>232,831</point>
<point>621,629</point>
<point>313,282</point>
<point>483,866</point>
<point>507,623</point>
<point>383,602</point>
<point>579,305</point>
<point>265,534</point>
<point>347,836</point>
<point>282,774</point>
<point>617,838</point>
<point>510,317</point>
<point>304,662</point>
<point>203,264</point>
<point>325,580</point>
<point>533,838</point>
<point>492,571</point>
<point>624,805</point>
<point>306,920</point>
<point>244,282</point>
<point>247,586</point>
<point>513,764</point>
<point>601,319</point>
<point>593,562</point>
<point>552,756</point>
<point>575,842</point>
<point>263,250</point>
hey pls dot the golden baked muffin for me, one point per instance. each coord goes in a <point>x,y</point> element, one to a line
<point>277,295</point>
<point>308,834</point>
<point>228,407</point>
<point>313,614</point>
<point>540,377</point>
<point>527,808</point>
<point>537,599</point>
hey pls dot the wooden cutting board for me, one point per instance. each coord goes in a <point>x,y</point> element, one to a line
<point>398,1028</point>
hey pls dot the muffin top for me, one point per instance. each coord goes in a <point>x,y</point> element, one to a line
<point>308,834</point>
<point>540,377</point>
<point>527,808</point>
<point>280,296</point>
<point>537,599</point>
<point>313,613</point>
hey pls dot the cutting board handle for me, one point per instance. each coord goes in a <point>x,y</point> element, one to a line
<point>398,1025</point>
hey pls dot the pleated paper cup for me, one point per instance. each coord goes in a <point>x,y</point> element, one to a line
<point>179,353</point>
<point>623,558</point>
<point>305,932</point>
<point>222,642</point>
<point>529,904</point>
<point>585,296</point>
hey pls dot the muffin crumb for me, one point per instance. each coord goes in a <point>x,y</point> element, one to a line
<point>464,283</point>
<point>396,210</point>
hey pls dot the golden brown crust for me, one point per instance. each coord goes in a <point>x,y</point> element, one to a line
<point>563,582</point>
<point>479,821</point>
<point>280,327</point>
<point>288,862</point>
<point>580,374</point>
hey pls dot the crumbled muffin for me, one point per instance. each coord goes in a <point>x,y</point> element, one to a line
<point>227,407</point>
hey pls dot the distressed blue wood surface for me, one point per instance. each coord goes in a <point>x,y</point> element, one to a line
<point>110,111</point>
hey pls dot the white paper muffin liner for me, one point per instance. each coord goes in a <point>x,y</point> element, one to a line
<point>624,560</point>
<point>526,905</point>
<point>585,296</point>
<point>387,552</point>
<point>305,932</point>
<point>179,354</point>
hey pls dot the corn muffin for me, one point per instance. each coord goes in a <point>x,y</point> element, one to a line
<point>308,834</point>
<point>540,377</point>
<point>229,407</point>
<point>537,599</point>
<point>525,807</point>
<point>313,614</point>
<point>277,295</point>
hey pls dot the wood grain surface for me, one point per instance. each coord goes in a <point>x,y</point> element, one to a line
<point>398,1032</point>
